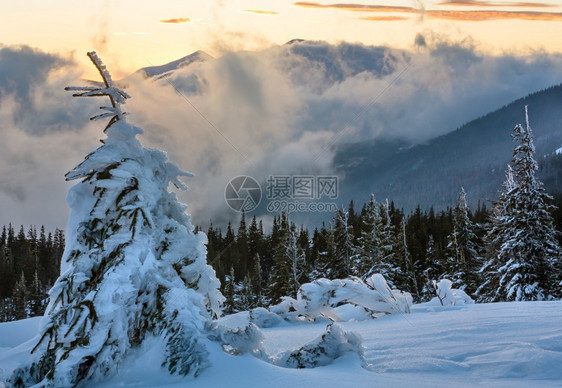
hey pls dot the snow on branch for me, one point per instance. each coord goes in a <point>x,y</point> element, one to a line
<point>116,95</point>
<point>449,296</point>
<point>320,299</point>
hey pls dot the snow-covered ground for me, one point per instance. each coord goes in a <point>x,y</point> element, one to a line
<point>516,344</point>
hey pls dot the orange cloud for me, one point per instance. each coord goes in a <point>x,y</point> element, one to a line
<point>472,15</point>
<point>477,16</point>
<point>481,3</point>
<point>384,18</point>
<point>260,12</point>
<point>176,20</point>
<point>357,7</point>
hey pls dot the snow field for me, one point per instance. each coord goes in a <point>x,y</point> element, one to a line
<point>517,344</point>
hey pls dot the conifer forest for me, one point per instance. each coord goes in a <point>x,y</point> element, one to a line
<point>411,250</point>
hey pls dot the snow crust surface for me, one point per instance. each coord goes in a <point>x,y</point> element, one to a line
<point>517,344</point>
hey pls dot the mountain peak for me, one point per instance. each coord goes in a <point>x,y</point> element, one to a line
<point>162,70</point>
<point>293,41</point>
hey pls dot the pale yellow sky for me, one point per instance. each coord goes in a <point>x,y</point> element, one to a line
<point>130,34</point>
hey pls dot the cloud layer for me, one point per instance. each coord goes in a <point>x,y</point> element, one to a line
<point>280,111</point>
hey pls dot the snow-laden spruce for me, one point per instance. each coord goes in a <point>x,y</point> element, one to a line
<point>372,247</point>
<point>524,257</point>
<point>132,266</point>
<point>463,258</point>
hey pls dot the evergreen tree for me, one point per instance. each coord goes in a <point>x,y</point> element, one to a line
<point>3,237</point>
<point>304,243</point>
<point>340,267</point>
<point>242,249</point>
<point>371,249</point>
<point>525,256</point>
<point>228,253</point>
<point>354,220</point>
<point>43,255</point>
<point>464,252</point>
<point>36,297</point>
<point>497,227</point>
<point>7,310</point>
<point>214,250</point>
<point>318,243</point>
<point>229,293</point>
<point>247,296</point>
<point>21,252</point>
<point>257,281</point>
<point>255,240</point>
<point>388,243</point>
<point>3,310</point>
<point>20,298</point>
<point>132,269</point>
<point>403,271</point>
<point>11,236</point>
<point>288,271</point>
<point>431,272</point>
<point>325,255</point>
<point>9,277</point>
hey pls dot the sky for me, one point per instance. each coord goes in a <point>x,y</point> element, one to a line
<point>131,34</point>
<point>404,69</point>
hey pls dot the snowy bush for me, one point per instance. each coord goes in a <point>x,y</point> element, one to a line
<point>334,343</point>
<point>239,340</point>
<point>319,299</point>
<point>290,309</point>
<point>448,296</point>
<point>263,318</point>
<point>238,335</point>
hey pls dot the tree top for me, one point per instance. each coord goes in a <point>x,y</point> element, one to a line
<point>116,95</point>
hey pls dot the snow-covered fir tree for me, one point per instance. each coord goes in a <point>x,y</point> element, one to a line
<point>132,267</point>
<point>368,246</point>
<point>242,251</point>
<point>36,297</point>
<point>523,252</point>
<point>403,269</point>
<point>345,250</point>
<point>255,246</point>
<point>431,272</point>
<point>256,280</point>
<point>20,298</point>
<point>247,296</point>
<point>289,269</point>
<point>463,259</point>
<point>230,293</point>
<point>388,243</point>
<point>325,253</point>
<point>493,240</point>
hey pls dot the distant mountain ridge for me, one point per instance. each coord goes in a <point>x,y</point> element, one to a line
<point>474,157</point>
